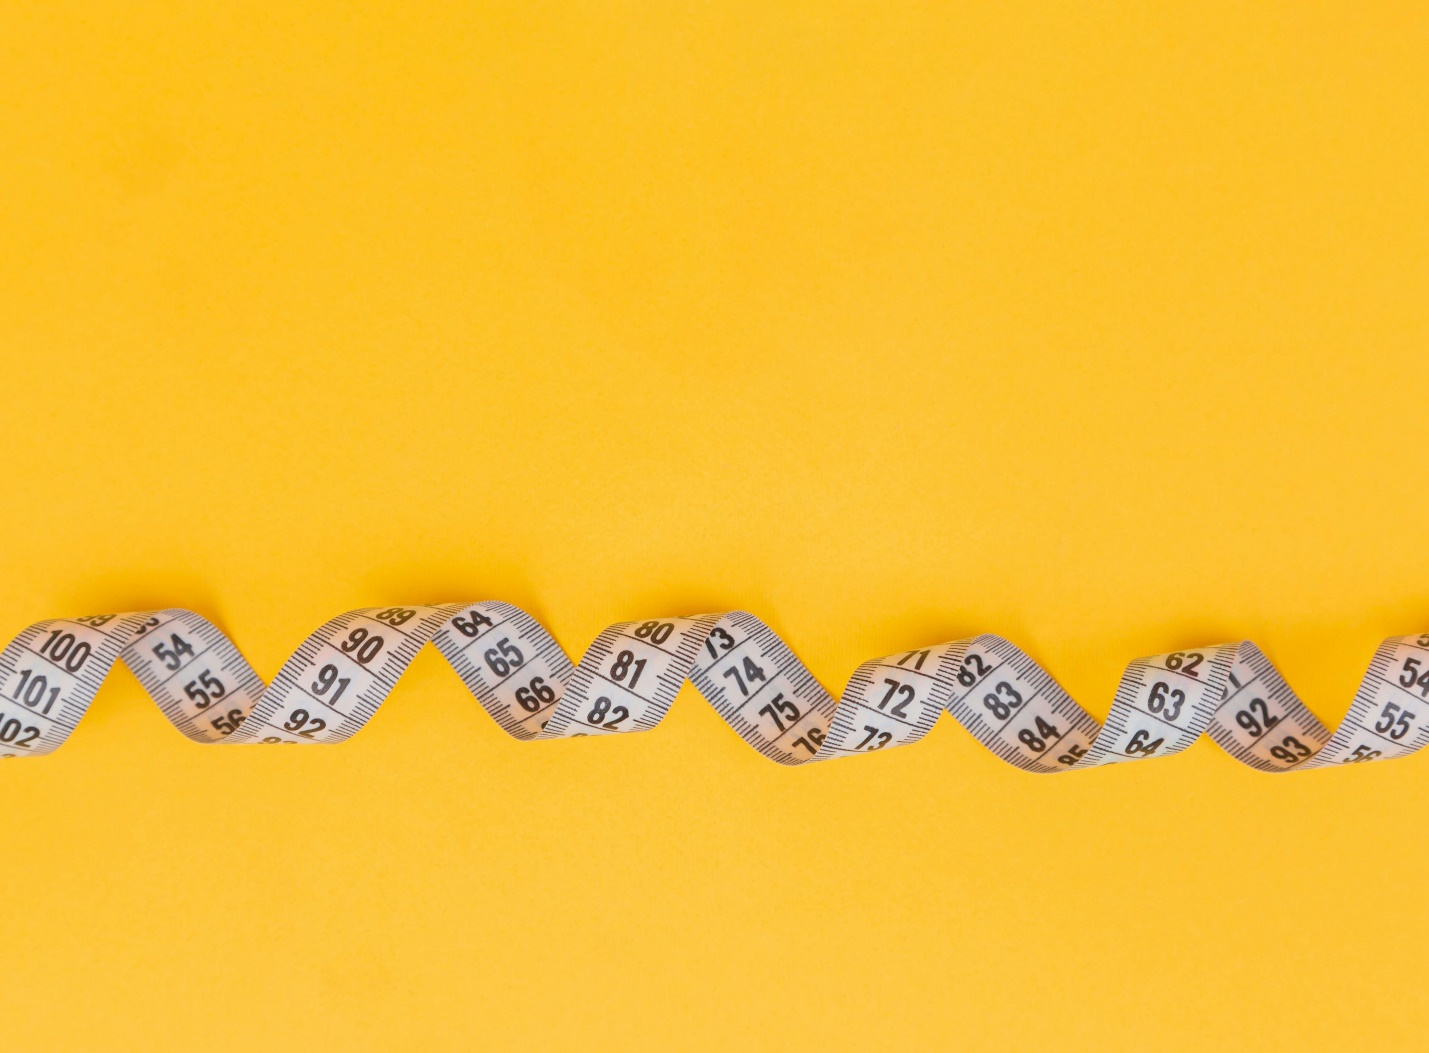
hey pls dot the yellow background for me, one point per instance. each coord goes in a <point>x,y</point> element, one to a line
<point>1099,326</point>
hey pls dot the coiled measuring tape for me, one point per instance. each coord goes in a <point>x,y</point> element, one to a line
<point>626,681</point>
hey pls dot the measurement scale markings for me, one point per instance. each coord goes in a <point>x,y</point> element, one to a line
<point>970,688</point>
<point>800,719</point>
<point>1193,677</point>
<point>1051,743</point>
<point>482,634</point>
<point>881,713</point>
<point>26,714</point>
<point>325,704</point>
<point>627,635</point>
<point>1162,720</point>
<point>192,659</point>
<point>375,674</point>
<point>730,653</point>
<point>131,639</point>
<point>1418,700</point>
<point>1367,729</point>
<point>751,696</point>
<point>621,687</point>
<point>1244,687</point>
<point>56,667</point>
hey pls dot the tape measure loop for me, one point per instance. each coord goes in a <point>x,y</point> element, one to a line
<point>628,678</point>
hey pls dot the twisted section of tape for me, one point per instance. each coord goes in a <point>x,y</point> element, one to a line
<point>627,680</point>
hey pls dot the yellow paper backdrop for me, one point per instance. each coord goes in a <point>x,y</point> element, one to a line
<point>1096,325</point>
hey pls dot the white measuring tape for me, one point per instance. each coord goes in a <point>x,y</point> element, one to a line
<point>334,682</point>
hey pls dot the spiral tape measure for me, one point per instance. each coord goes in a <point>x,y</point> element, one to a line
<point>334,682</point>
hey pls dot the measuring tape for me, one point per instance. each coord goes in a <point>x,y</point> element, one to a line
<point>334,682</point>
